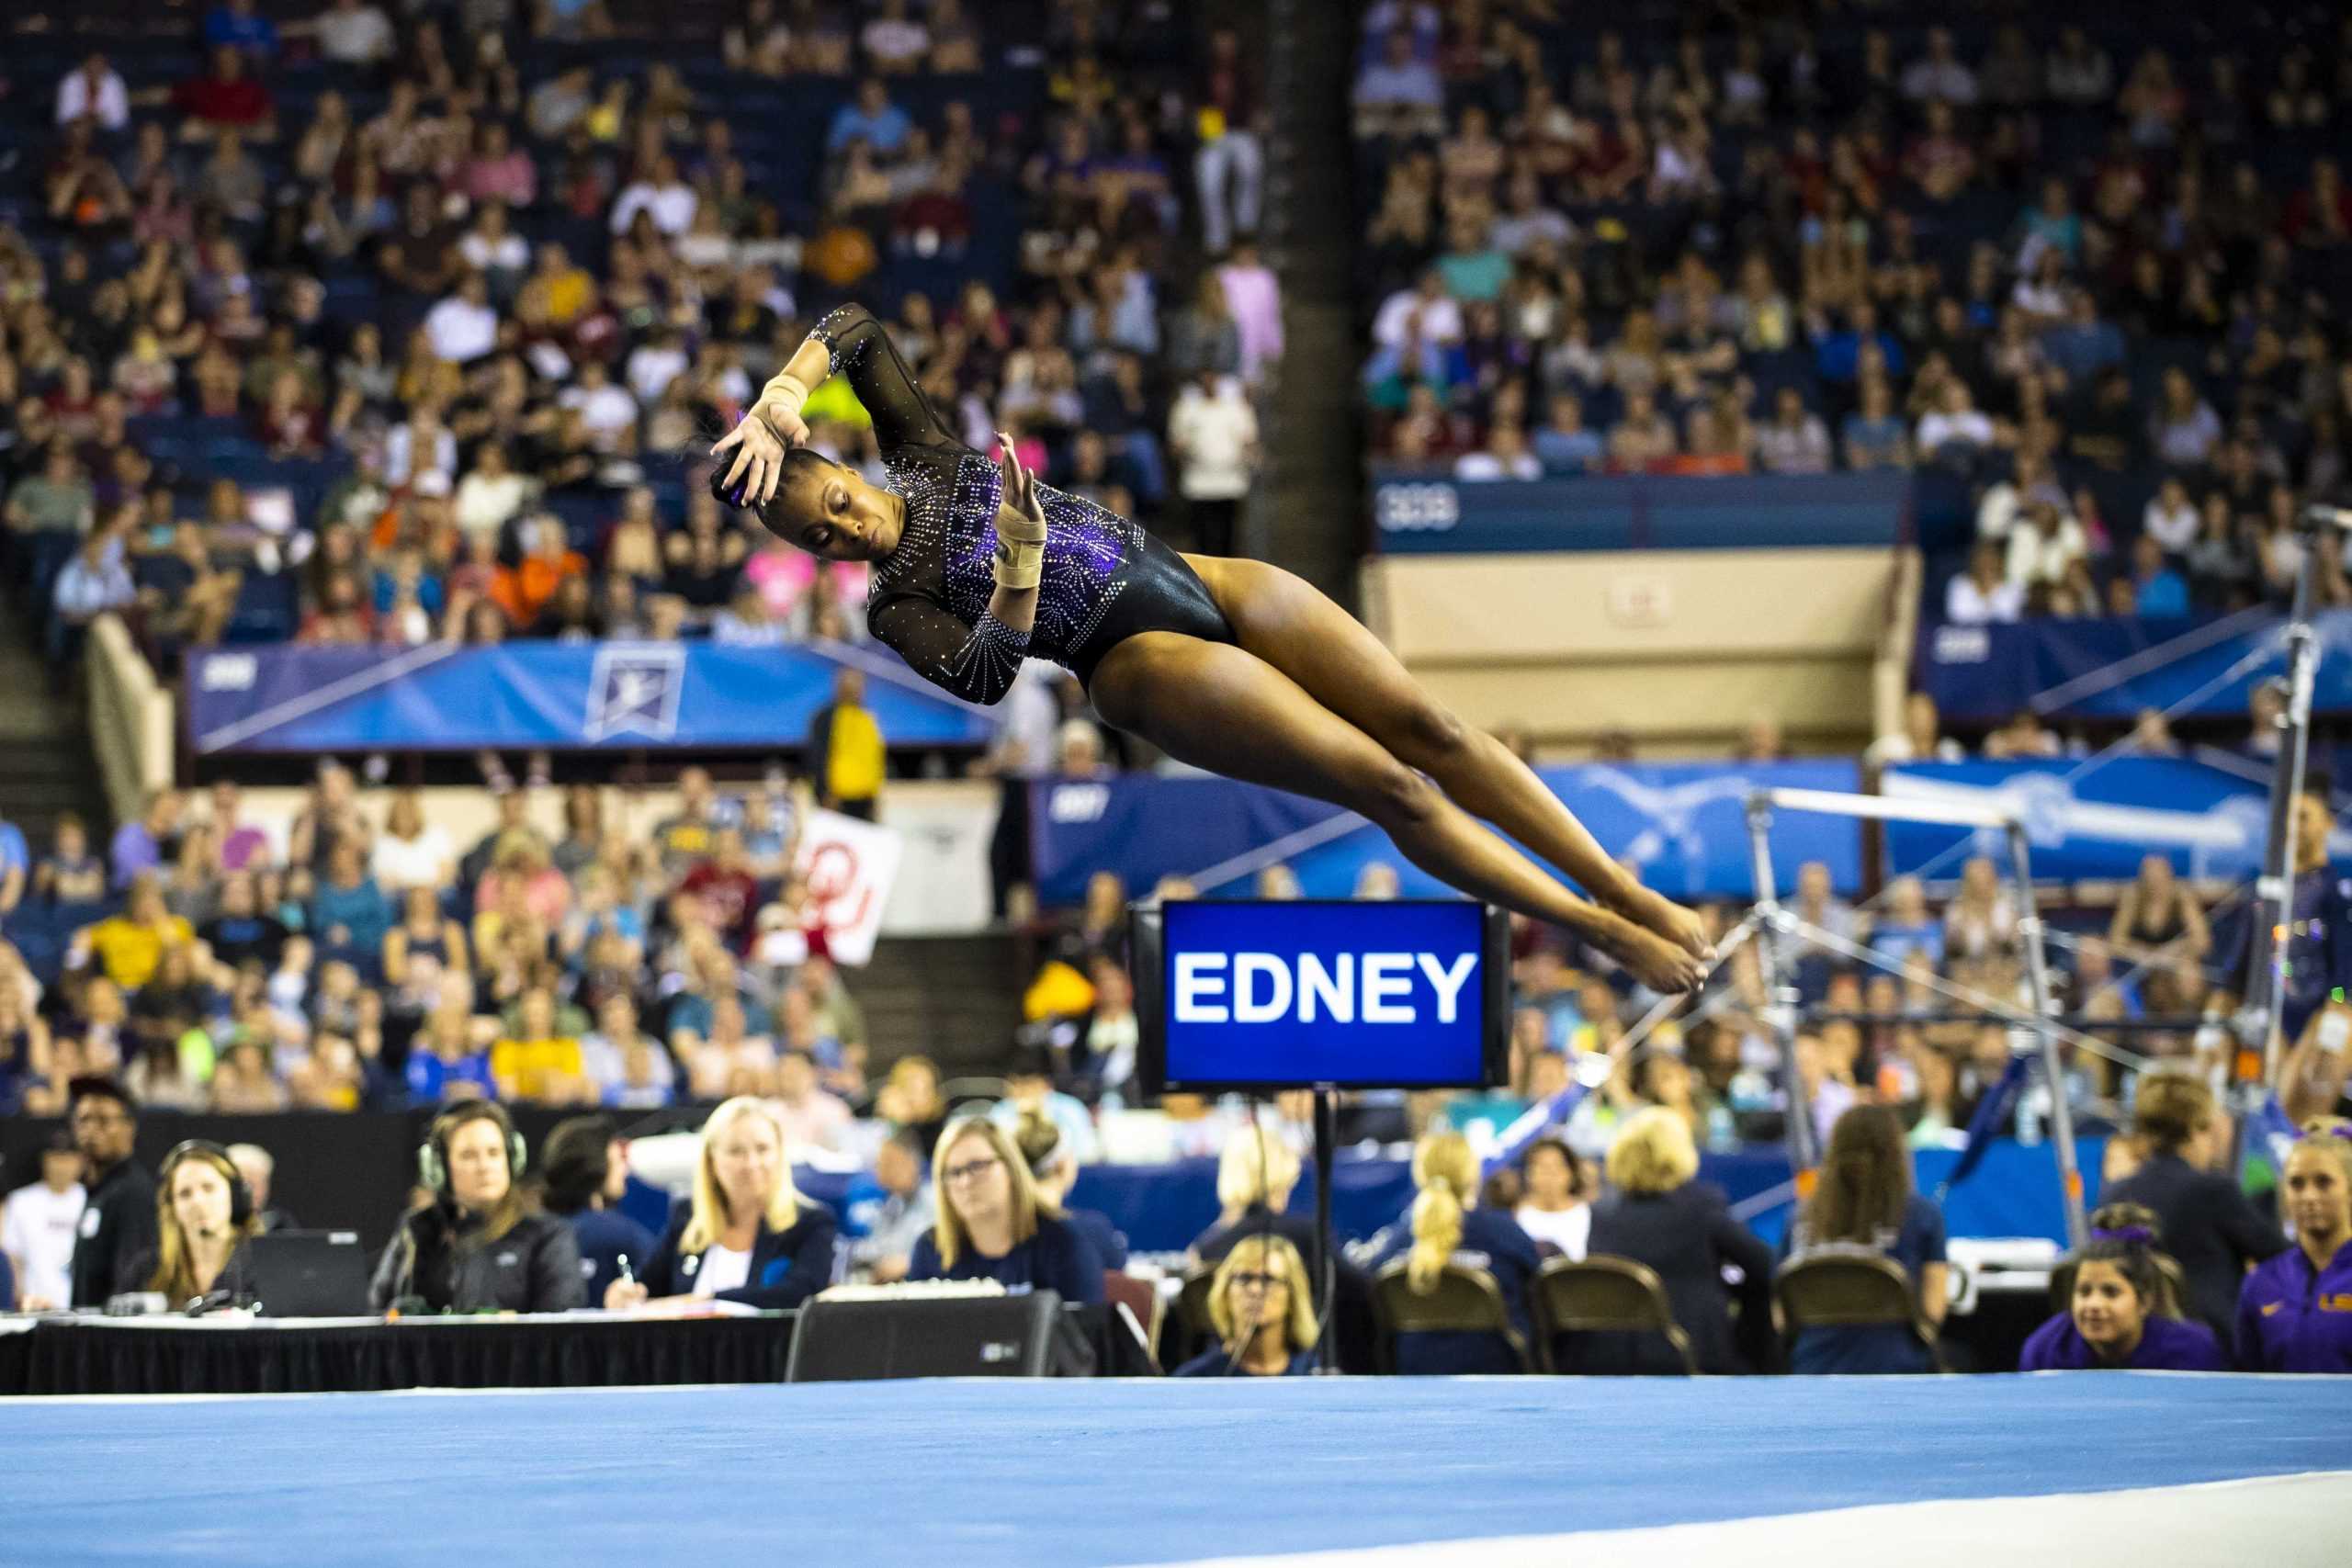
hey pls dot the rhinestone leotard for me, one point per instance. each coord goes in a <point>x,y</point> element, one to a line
<point>1106,577</point>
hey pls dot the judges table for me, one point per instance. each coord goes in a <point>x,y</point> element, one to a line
<point>64,1355</point>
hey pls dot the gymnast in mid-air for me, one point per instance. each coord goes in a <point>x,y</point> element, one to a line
<point>1231,665</point>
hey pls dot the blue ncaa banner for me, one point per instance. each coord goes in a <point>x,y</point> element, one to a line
<point>2207,822</point>
<point>1683,824</point>
<point>564,696</point>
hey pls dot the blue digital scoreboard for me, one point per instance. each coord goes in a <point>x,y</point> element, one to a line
<point>1291,995</point>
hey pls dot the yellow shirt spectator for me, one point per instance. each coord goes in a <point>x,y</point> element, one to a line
<point>130,950</point>
<point>537,1069</point>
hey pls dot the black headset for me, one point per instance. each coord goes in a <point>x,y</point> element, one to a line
<point>432,1156</point>
<point>240,1197</point>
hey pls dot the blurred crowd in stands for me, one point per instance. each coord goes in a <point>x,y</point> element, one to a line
<point>2091,267</point>
<point>406,325</point>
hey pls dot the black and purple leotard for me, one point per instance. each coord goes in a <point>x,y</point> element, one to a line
<point>1105,578</point>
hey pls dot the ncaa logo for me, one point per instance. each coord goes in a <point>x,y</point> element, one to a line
<point>1077,803</point>
<point>1417,508</point>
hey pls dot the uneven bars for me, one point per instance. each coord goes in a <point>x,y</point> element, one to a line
<point>1884,808</point>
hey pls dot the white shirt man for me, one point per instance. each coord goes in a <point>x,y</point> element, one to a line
<point>2038,554</point>
<point>353,33</point>
<point>1440,318</point>
<point>463,327</point>
<point>604,408</point>
<point>670,200</point>
<point>36,1228</point>
<point>96,89</point>
<point>1214,436</point>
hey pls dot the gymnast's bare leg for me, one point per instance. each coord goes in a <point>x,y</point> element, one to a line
<point>1289,623</point>
<point>1227,710</point>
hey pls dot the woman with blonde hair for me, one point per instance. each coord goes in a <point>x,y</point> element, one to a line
<point>2292,1313</point>
<point>1263,1313</point>
<point>203,1219</point>
<point>1256,1172</point>
<point>2207,1224</point>
<point>1054,1165</point>
<point>995,1224</point>
<point>748,1236</point>
<point>1446,1226</point>
<point>1657,1214</point>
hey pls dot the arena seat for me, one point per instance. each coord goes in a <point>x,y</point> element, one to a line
<point>1464,1300</point>
<point>1839,1291</point>
<point>1605,1295</point>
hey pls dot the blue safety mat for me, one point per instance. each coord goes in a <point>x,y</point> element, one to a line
<point>1063,1474</point>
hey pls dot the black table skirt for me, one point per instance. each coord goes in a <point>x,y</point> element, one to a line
<point>62,1356</point>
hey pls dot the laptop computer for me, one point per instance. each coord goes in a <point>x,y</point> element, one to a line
<point>309,1274</point>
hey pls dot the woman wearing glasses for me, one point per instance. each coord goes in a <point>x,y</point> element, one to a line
<point>1263,1314</point>
<point>995,1224</point>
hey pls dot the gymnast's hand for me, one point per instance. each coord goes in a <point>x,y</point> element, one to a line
<point>1027,522</point>
<point>759,442</point>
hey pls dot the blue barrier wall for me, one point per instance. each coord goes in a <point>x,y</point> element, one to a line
<point>1681,822</point>
<point>626,697</point>
<point>1428,512</point>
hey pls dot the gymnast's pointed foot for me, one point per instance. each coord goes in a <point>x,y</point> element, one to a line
<point>1651,958</point>
<point>1655,912</point>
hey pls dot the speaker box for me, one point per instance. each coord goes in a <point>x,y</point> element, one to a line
<point>968,1336</point>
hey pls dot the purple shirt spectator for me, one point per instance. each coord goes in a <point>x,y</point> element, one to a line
<point>2166,1345</point>
<point>134,851</point>
<point>2293,1317</point>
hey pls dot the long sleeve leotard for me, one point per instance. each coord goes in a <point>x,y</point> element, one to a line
<point>1105,578</point>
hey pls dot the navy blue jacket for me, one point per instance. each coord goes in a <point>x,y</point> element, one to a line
<point>787,1268</point>
<point>2211,1228</point>
<point>1687,1236</point>
<point>1059,1258</point>
<point>1214,1363</point>
<point>1107,1237</point>
<point>605,1236</point>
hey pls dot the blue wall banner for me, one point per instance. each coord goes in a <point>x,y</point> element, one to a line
<point>2209,823</point>
<point>1682,823</point>
<point>1429,512</point>
<point>563,697</point>
<point>2115,668</point>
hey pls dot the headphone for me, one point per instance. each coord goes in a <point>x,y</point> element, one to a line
<point>240,1197</point>
<point>432,1157</point>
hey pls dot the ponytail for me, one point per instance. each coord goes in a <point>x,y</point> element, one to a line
<point>1446,1172</point>
<point>1437,1231</point>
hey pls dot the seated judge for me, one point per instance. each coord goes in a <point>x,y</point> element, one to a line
<point>2120,1315</point>
<point>585,1174</point>
<point>994,1224</point>
<point>747,1235</point>
<point>2295,1313</point>
<point>1053,1163</point>
<point>1447,1226</point>
<point>1258,1303</point>
<point>482,1244</point>
<point>204,1216</point>
<point>1655,1214</point>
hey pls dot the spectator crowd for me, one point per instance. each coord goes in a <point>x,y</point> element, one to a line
<point>2093,275</point>
<point>358,331</point>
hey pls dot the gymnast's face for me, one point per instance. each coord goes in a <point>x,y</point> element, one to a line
<point>830,510</point>
<point>2108,1311</point>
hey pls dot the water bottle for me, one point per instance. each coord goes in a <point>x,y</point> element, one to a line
<point>1722,1133</point>
<point>2032,1107</point>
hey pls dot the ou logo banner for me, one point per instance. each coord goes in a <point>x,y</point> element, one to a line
<point>849,866</point>
<point>1417,508</point>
